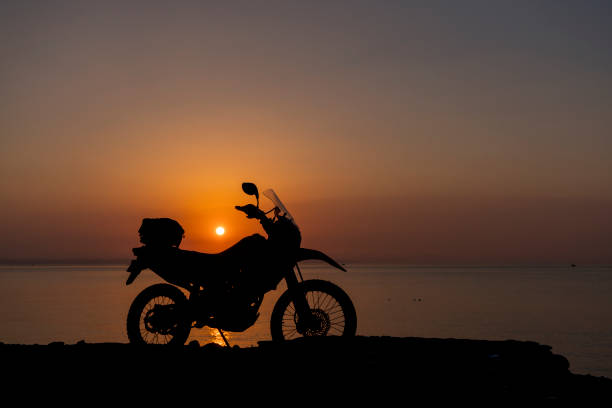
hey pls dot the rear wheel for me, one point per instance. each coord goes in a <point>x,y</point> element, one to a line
<point>159,315</point>
<point>331,313</point>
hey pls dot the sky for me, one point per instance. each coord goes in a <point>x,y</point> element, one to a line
<point>428,132</point>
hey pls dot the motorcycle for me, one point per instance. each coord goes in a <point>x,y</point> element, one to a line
<point>225,290</point>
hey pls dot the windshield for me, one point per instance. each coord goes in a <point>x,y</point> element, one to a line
<point>278,203</point>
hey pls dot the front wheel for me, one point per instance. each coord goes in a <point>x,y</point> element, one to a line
<point>331,313</point>
<point>159,315</point>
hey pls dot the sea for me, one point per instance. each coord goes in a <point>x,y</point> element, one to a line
<point>567,308</point>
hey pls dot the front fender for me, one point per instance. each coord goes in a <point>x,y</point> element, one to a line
<point>305,253</point>
<point>134,269</point>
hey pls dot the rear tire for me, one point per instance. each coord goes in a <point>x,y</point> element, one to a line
<point>159,315</point>
<point>333,311</point>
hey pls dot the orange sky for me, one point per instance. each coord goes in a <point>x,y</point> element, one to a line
<point>428,134</point>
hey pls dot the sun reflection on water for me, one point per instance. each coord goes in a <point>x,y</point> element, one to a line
<point>208,335</point>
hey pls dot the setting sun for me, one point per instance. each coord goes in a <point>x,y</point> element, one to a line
<point>220,230</point>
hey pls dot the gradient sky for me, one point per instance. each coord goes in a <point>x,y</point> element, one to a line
<point>425,132</point>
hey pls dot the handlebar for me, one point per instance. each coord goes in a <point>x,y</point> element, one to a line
<point>251,211</point>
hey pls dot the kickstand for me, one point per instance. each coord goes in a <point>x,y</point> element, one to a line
<point>224,339</point>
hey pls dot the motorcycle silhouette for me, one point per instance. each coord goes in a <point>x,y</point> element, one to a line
<point>225,290</point>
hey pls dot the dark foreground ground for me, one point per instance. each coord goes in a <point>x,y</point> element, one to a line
<point>312,370</point>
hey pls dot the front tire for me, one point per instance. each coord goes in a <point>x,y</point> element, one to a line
<point>159,315</point>
<point>333,313</point>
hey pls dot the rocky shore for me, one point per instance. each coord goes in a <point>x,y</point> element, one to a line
<point>495,372</point>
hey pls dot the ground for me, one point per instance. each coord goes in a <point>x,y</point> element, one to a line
<point>316,369</point>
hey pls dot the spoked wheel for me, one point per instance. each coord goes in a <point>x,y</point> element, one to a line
<point>159,315</point>
<point>331,313</point>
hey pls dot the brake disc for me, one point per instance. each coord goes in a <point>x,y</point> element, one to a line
<point>317,325</point>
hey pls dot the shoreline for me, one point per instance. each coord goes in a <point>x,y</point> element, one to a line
<point>423,367</point>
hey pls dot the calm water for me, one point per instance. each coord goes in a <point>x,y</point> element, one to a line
<point>569,309</point>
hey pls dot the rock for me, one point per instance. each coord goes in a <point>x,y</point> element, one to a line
<point>341,368</point>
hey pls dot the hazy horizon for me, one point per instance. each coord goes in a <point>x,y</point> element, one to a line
<point>423,132</point>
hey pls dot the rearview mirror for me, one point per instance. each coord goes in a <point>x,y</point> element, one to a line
<point>250,189</point>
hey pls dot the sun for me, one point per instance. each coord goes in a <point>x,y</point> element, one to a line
<point>220,230</point>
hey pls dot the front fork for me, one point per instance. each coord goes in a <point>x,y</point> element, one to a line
<point>304,315</point>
